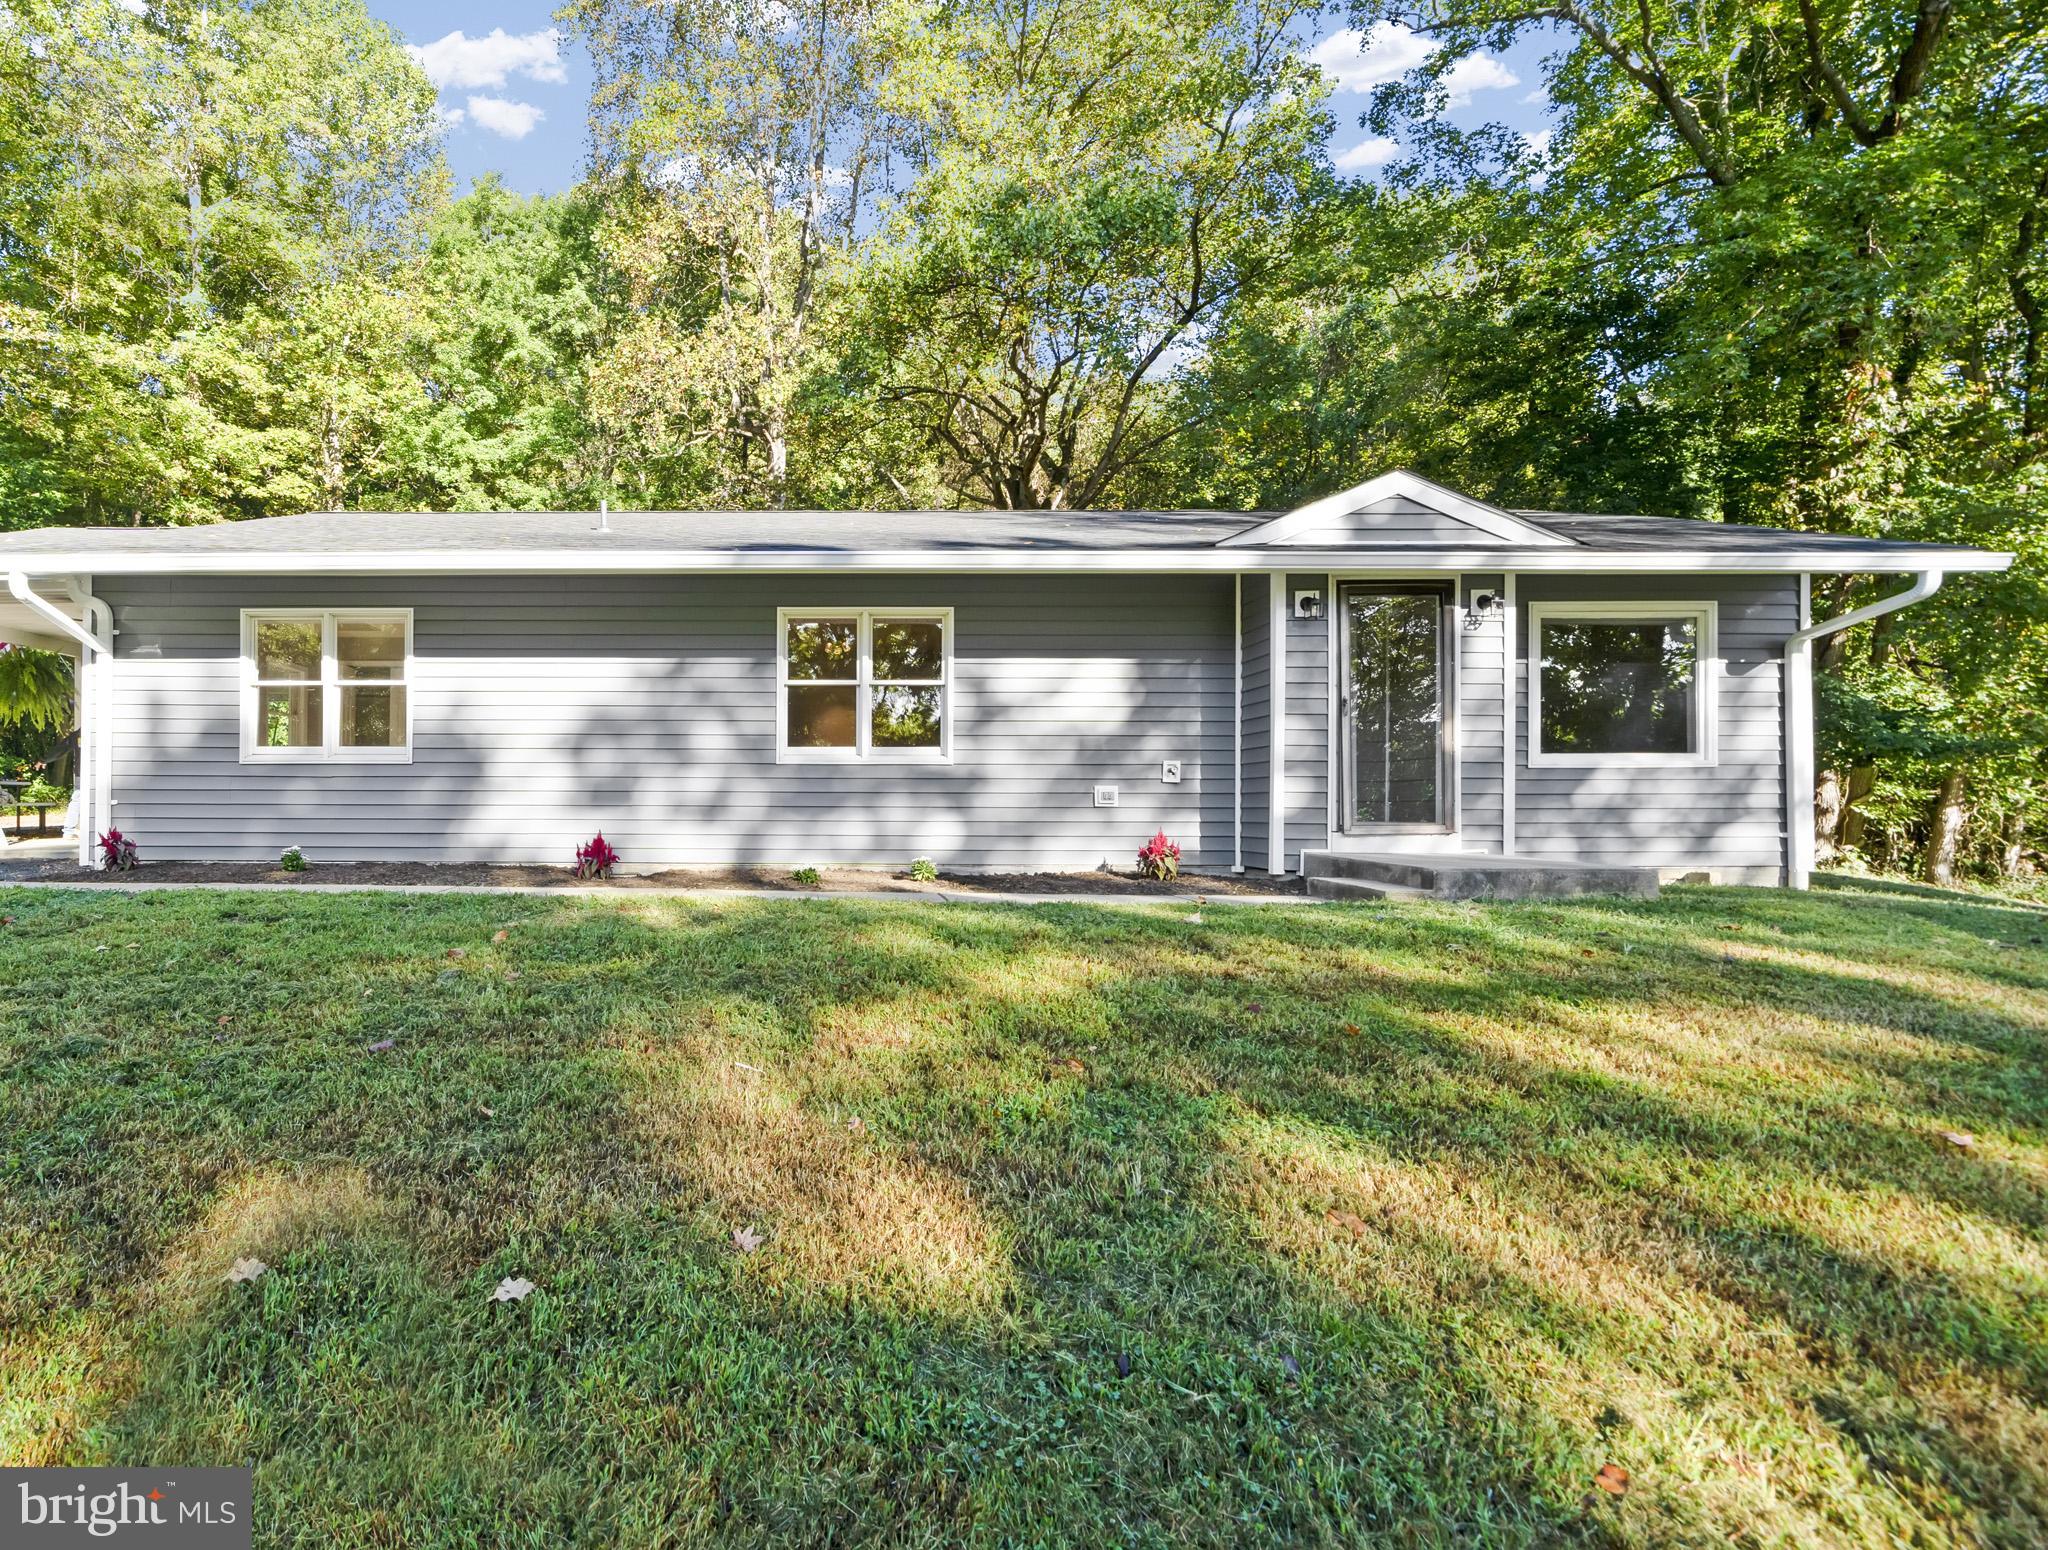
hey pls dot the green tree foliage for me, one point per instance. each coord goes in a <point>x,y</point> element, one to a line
<point>204,258</point>
<point>1096,181</point>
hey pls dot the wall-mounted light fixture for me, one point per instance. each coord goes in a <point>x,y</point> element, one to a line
<point>1482,604</point>
<point>1308,603</point>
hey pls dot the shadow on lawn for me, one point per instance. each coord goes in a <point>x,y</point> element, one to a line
<point>1556,1261</point>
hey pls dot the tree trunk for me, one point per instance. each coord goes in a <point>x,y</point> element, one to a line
<point>1827,813</point>
<point>1938,863</point>
<point>1849,827</point>
<point>2013,842</point>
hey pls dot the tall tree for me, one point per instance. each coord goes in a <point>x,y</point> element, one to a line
<point>1095,182</point>
<point>215,192</point>
<point>737,146</point>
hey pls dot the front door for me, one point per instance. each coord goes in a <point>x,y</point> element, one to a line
<point>1394,750</point>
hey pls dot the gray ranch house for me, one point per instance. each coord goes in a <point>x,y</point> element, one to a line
<point>1396,684</point>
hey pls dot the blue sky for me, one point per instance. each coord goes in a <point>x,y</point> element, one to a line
<point>513,87</point>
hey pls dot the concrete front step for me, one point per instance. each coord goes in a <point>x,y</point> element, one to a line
<point>1472,877</point>
<point>1350,888</point>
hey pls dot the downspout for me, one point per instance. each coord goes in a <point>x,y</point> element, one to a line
<point>95,765</point>
<point>1799,718</point>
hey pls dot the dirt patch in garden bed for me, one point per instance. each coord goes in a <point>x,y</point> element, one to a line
<point>429,874</point>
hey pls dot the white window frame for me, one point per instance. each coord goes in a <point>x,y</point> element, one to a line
<point>863,699</point>
<point>1706,700</point>
<point>330,750</point>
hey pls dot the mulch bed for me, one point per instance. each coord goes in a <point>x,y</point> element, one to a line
<point>435,874</point>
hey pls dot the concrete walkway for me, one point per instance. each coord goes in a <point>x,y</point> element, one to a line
<point>891,896</point>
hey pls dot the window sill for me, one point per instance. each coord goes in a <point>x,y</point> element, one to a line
<point>352,756</point>
<point>835,756</point>
<point>1625,761</point>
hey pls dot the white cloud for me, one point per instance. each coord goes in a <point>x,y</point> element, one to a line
<point>1373,151</point>
<point>134,7</point>
<point>513,120</point>
<point>1539,98</point>
<point>451,118</point>
<point>1538,144</point>
<point>488,61</point>
<point>1477,72</point>
<point>1356,61</point>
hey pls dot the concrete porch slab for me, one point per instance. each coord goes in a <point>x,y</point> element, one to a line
<point>1343,874</point>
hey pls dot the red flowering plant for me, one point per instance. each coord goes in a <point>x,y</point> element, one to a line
<point>117,852</point>
<point>596,859</point>
<point>1160,858</point>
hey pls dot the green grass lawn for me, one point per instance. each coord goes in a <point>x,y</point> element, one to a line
<point>1078,1226</point>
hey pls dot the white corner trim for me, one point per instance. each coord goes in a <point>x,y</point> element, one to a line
<point>1510,717</point>
<point>1237,726</point>
<point>1478,515</point>
<point>1705,751</point>
<point>1276,724</point>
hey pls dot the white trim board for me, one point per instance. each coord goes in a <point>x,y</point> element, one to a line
<point>1191,561</point>
<point>1706,681</point>
<point>1399,484</point>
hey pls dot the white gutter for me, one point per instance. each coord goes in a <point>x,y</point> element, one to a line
<point>1198,560</point>
<point>17,583</point>
<point>1799,718</point>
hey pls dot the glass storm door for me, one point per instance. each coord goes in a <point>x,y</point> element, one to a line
<point>1393,650</point>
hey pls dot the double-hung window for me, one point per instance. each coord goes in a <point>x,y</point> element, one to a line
<point>1622,683</point>
<point>327,685</point>
<point>864,683</point>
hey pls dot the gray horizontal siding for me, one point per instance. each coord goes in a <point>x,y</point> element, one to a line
<point>544,709</point>
<point>1309,654</point>
<point>1727,816</point>
<point>1396,520</point>
<point>1482,719</point>
<point>1255,620</point>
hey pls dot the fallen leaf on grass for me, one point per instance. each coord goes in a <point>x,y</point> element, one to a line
<point>512,1289</point>
<point>1254,1006</point>
<point>1612,1479</point>
<point>1071,1066</point>
<point>224,1019</point>
<point>487,1111</point>
<point>1123,1364</point>
<point>1293,1368</point>
<point>458,952</point>
<point>1350,1219</point>
<point>379,1047</point>
<point>855,1126</point>
<point>1961,1139</point>
<point>246,1270</point>
<point>499,936</point>
<point>1194,919</point>
<point>1353,1029</point>
<point>745,1239</point>
<point>6,920</point>
<point>510,975</point>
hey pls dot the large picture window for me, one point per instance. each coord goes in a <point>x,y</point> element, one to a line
<point>864,683</point>
<point>324,685</point>
<point>1621,683</point>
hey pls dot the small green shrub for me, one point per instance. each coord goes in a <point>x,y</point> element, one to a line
<point>808,876</point>
<point>293,859</point>
<point>924,870</point>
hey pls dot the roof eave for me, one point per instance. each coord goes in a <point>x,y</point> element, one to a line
<point>1197,560</point>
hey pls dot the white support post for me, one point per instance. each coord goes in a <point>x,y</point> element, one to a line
<point>1276,722</point>
<point>1510,718</point>
<point>1237,727</point>
<point>1799,714</point>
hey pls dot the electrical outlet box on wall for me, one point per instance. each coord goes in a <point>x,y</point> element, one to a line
<point>1105,796</point>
